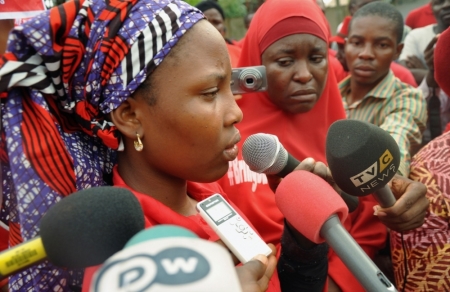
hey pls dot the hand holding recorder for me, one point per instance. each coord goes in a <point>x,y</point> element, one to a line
<point>171,258</point>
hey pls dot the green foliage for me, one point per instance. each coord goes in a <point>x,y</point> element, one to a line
<point>232,8</point>
<point>193,2</point>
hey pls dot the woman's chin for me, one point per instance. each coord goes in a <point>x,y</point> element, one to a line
<point>211,176</point>
<point>300,108</point>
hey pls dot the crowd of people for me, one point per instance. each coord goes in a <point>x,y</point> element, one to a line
<point>136,94</point>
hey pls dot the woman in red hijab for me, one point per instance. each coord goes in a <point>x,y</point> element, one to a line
<point>290,37</point>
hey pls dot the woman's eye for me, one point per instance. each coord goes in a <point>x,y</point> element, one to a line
<point>316,59</point>
<point>211,94</point>
<point>284,63</point>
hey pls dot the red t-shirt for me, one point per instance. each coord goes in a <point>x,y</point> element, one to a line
<point>234,52</point>
<point>157,213</point>
<point>420,17</point>
<point>4,238</point>
<point>251,192</point>
<point>403,74</point>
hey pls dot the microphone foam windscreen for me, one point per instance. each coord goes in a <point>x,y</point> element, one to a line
<point>165,259</point>
<point>362,157</point>
<point>263,153</point>
<point>160,231</point>
<point>307,201</point>
<point>87,227</point>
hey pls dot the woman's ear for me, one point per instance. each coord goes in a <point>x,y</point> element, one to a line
<point>125,118</point>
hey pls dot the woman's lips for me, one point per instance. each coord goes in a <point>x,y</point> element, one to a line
<point>232,150</point>
<point>304,97</point>
<point>231,153</point>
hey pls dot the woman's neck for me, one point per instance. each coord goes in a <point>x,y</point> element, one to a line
<point>169,190</point>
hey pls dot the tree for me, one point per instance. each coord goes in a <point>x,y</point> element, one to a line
<point>231,8</point>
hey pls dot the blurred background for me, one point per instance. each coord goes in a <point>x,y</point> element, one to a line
<point>235,11</point>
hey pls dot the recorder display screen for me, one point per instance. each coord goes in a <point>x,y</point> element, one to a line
<point>219,211</point>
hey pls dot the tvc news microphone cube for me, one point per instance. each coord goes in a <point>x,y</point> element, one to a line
<point>362,157</point>
<point>168,258</point>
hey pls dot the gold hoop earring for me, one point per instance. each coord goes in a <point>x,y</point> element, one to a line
<point>138,144</point>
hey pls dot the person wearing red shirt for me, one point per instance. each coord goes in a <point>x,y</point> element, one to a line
<point>290,38</point>
<point>420,17</point>
<point>146,89</point>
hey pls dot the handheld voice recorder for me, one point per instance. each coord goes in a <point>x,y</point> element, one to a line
<point>238,236</point>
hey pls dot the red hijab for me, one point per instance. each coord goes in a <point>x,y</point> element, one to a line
<point>442,61</point>
<point>303,135</point>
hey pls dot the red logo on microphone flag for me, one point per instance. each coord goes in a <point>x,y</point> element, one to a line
<point>11,9</point>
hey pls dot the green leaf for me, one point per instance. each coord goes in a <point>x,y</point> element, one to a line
<point>233,8</point>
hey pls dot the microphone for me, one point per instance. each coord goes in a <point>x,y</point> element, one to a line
<point>168,258</point>
<point>362,159</point>
<point>264,153</point>
<point>81,230</point>
<point>321,222</point>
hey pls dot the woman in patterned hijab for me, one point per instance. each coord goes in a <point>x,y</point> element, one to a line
<point>63,73</point>
<point>133,93</point>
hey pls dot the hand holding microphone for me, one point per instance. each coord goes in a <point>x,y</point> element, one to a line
<point>264,153</point>
<point>321,222</point>
<point>411,207</point>
<point>362,158</point>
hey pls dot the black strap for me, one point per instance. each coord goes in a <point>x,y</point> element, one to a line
<point>434,114</point>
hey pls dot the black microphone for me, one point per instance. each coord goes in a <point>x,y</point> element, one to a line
<point>83,229</point>
<point>362,159</point>
<point>264,153</point>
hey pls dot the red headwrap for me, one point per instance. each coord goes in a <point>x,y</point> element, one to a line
<point>289,26</point>
<point>303,135</point>
<point>442,61</point>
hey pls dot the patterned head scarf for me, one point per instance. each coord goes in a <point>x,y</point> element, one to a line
<point>62,73</point>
